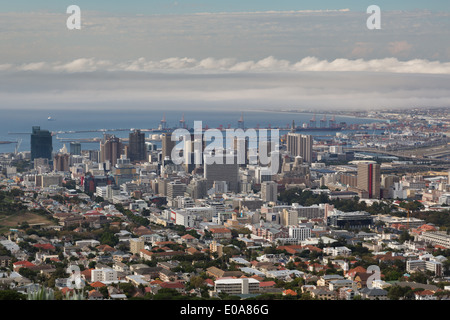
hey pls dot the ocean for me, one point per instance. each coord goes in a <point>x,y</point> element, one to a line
<point>17,124</point>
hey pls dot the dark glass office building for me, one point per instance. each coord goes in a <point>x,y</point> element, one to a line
<point>137,151</point>
<point>41,144</point>
<point>75,148</point>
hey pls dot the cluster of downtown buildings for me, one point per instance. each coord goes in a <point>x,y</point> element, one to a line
<point>215,199</point>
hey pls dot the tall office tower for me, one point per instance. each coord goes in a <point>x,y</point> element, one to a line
<point>193,152</point>
<point>241,146</point>
<point>197,189</point>
<point>137,151</point>
<point>300,145</point>
<point>289,218</point>
<point>75,148</point>
<point>369,178</point>
<point>228,172</point>
<point>269,191</point>
<point>41,144</point>
<point>167,145</point>
<point>94,155</point>
<point>388,181</point>
<point>110,149</point>
<point>175,189</point>
<point>61,162</point>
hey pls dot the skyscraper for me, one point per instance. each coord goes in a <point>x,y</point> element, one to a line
<point>300,145</point>
<point>167,145</point>
<point>110,149</point>
<point>41,144</point>
<point>137,150</point>
<point>269,191</point>
<point>369,178</point>
<point>228,172</point>
<point>61,162</point>
<point>75,148</point>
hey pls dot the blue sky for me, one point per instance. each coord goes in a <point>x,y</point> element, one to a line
<point>191,6</point>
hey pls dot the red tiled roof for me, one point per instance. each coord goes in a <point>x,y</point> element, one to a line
<point>425,293</point>
<point>267,284</point>
<point>105,248</point>
<point>426,227</point>
<point>220,230</point>
<point>24,264</point>
<point>44,246</point>
<point>172,285</point>
<point>209,282</point>
<point>289,292</point>
<point>313,248</point>
<point>98,284</point>
<point>358,269</point>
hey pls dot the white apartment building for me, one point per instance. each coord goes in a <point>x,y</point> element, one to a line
<point>104,275</point>
<point>436,238</point>
<point>300,233</point>
<point>337,251</point>
<point>422,265</point>
<point>237,286</point>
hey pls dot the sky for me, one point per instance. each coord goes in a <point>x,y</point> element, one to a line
<point>192,6</point>
<point>215,54</point>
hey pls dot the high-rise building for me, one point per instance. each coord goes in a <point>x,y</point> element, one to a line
<point>193,152</point>
<point>175,189</point>
<point>289,217</point>
<point>369,178</point>
<point>110,149</point>
<point>91,183</point>
<point>167,145</point>
<point>137,151</point>
<point>136,245</point>
<point>300,145</point>
<point>269,191</point>
<point>41,144</point>
<point>75,148</point>
<point>228,172</point>
<point>301,233</point>
<point>197,189</point>
<point>61,162</point>
<point>241,146</point>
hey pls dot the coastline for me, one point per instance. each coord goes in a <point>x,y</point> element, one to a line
<point>319,113</point>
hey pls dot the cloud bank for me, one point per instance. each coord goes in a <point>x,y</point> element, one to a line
<point>188,83</point>
<point>231,65</point>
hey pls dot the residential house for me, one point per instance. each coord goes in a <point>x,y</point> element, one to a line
<point>323,293</point>
<point>373,294</point>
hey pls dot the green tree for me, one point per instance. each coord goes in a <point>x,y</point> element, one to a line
<point>11,295</point>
